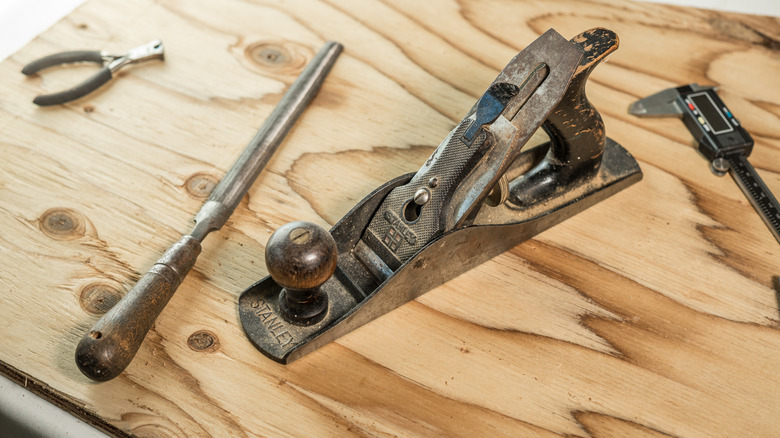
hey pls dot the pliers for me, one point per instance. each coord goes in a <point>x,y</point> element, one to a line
<point>111,63</point>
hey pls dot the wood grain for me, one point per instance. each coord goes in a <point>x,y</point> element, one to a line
<point>654,313</point>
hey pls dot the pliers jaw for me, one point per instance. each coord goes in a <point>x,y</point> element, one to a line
<point>147,52</point>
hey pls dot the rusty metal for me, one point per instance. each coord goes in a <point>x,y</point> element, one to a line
<point>474,198</point>
<point>109,347</point>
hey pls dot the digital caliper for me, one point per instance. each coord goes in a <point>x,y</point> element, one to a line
<point>722,140</point>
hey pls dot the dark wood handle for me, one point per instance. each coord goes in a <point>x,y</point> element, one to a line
<point>109,347</point>
<point>575,128</point>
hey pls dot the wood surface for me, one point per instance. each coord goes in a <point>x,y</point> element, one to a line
<point>654,313</point>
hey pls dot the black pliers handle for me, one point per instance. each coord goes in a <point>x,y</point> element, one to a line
<point>110,62</point>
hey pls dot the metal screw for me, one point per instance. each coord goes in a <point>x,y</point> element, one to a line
<point>422,196</point>
<point>719,166</point>
<point>299,236</point>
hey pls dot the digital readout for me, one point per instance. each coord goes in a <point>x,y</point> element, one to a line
<point>711,113</point>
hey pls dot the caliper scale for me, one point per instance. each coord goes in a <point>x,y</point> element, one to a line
<point>722,140</point>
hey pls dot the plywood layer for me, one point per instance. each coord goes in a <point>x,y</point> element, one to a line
<point>653,313</point>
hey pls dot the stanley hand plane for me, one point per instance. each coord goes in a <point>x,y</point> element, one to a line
<point>474,198</point>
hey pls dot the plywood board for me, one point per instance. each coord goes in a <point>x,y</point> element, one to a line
<point>653,313</point>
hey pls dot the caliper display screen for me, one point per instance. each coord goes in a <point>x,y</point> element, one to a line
<point>711,113</point>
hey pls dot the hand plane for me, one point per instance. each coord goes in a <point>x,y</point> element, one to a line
<point>474,198</point>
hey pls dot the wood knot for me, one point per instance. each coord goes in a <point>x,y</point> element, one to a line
<point>278,57</point>
<point>203,341</point>
<point>98,298</point>
<point>200,185</point>
<point>62,224</point>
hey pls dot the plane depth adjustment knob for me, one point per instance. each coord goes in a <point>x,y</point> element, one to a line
<point>301,257</point>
